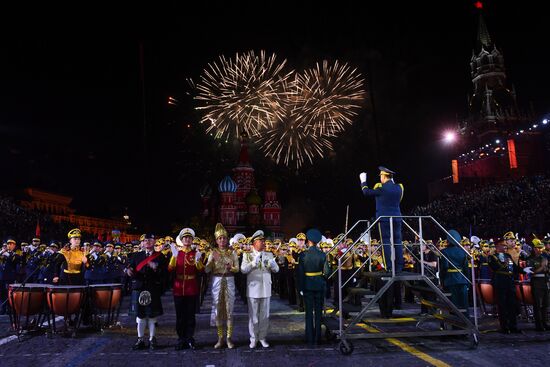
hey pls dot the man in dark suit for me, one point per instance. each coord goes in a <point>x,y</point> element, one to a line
<point>312,269</point>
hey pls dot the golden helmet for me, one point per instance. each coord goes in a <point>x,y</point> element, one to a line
<point>537,243</point>
<point>509,236</point>
<point>220,231</point>
<point>74,233</point>
<point>301,236</point>
<point>159,242</point>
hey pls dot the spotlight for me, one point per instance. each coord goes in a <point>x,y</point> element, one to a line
<point>449,137</point>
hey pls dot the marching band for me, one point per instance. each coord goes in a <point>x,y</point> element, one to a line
<point>254,268</point>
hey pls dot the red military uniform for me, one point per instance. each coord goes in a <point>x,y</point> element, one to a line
<point>186,265</point>
<point>185,280</point>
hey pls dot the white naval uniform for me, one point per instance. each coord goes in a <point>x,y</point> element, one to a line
<point>258,291</point>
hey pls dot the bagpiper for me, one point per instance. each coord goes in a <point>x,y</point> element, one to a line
<point>148,270</point>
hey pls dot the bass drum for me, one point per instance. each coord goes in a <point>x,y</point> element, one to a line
<point>65,300</point>
<point>106,296</point>
<point>487,291</point>
<point>27,300</point>
<point>524,293</point>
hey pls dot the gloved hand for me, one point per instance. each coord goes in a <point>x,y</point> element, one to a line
<point>272,263</point>
<point>528,270</point>
<point>363,177</point>
<point>258,260</point>
<point>198,256</point>
<point>301,293</point>
<point>174,249</point>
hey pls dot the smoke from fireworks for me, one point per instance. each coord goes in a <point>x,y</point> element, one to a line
<point>330,97</point>
<point>242,94</point>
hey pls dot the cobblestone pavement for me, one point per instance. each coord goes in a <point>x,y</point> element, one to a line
<point>112,347</point>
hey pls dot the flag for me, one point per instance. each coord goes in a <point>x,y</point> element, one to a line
<point>37,230</point>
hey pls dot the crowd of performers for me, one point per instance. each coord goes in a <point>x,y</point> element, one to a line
<point>250,269</point>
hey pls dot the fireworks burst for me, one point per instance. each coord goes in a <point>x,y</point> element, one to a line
<point>243,94</point>
<point>330,97</point>
<point>291,115</point>
<point>288,142</point>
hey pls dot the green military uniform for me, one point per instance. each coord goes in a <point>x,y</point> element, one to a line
<point>311,282</point>
<point>539,286</point>
<point>453,266</point>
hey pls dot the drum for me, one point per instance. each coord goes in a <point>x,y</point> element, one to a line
<point>524,293</point>
<point>487,291</point>
<point>27,300</point>
<point>106,296</point>
<point>65,299</point>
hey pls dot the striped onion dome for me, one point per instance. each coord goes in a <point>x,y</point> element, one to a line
<point>227,185</point>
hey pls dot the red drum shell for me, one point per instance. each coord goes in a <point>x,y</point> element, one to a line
<point>65,300</point>
<point>106,295</point>
<point>527,293</point>
<point>487,292</point>
<point>27,300</point>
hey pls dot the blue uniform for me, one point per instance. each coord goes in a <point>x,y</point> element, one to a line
<point>9,263</point>
<point>485,271</point>
<point>388,197</point>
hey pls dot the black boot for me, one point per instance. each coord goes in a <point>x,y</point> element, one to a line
<point>140,344</point>
<point>153,343</point>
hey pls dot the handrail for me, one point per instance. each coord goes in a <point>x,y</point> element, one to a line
<point>441,253</point>
<point>371,253</point>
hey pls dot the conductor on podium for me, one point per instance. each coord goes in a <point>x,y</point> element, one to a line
<point>388,196</point>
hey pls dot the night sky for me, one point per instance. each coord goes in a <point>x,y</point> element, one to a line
<point>72,113</point>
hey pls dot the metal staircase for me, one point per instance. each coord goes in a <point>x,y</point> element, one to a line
<point>342,322</point>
